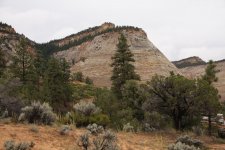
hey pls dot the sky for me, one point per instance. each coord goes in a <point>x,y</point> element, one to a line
<point>179,28</point>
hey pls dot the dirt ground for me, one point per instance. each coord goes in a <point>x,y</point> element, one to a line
<point>49,138</point>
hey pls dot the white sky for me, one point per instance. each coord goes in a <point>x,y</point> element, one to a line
<point>179,28</point>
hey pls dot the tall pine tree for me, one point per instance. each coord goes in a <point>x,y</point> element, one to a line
<point>2,62</point>
<point>22,61</point>
<point>209,98</point>
<point>123,69</point>
<point>56,87</point>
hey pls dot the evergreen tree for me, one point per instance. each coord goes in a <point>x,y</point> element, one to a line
<point>123,68</point>
<point>210,73</point>
<point>36,70</point>
<point>208,99</point>
<point>208,95</point>
<point>22,61</point>
<point>134,95</point>
<point>39,65</point>
<point>175,96</point>
<point>2,62</point>
<point>56,87</point>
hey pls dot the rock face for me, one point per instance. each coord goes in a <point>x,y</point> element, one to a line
<point>191,61</point>
<point>9,41</point>
<point>199,70</point>
<point>93,58</point>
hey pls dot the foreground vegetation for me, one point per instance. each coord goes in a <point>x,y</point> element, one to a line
<point>39,90</point>
<point>49,137</point>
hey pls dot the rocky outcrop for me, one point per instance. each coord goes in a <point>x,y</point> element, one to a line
<point>9,41</point>
<point>93,57</point>
<point>191,61</point>
<point>199,70</point>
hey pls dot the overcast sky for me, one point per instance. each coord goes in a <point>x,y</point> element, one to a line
<point>179,28</point>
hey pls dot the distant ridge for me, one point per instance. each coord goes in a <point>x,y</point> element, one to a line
<point>190,61</point>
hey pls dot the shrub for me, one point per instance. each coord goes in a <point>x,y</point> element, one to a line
<point>88,81</point>
<point>84,141</point>
<point>181,146</point>
<point>11,145</point>
<point>198,130</point>
<point>81,120</point>
<point>38,113</point>
<point>128,128</point>
<point>156,120</point>
<point>100,119</point>
<point>65,129</point>
<point>95,129</point>
<point>221,133</point>
<point>68,118</point>
<point>5,114</point>
<point>106,141</point>
<point>86,108</point>
<point>148,128</point>
<point>78,76</point>
<point>83,59</point>
<point>34,129</point>
<point>189,141</point>
<point>12,104</point>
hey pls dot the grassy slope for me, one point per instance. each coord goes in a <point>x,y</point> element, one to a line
<point>48,138</point>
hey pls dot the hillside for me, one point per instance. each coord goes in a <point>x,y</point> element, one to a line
<point>93,57</point>
<point>193,71</point>
<point>49,138</point>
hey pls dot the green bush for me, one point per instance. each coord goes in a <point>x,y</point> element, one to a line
<point>83,117</point>
<point>156,120</point>
<point>100,119</point>
<point>78,76</point>
<point>88,80</point>
<point>83,91</point>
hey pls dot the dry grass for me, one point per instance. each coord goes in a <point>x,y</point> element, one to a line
<point>49,138</point>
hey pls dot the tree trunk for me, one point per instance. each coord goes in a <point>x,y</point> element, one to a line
<point>23,69</point>
<point>177,122</point>
<point>209,124</point>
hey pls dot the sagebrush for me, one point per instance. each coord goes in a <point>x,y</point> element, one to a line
<point>12,145</point>
<point>38,113</point>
